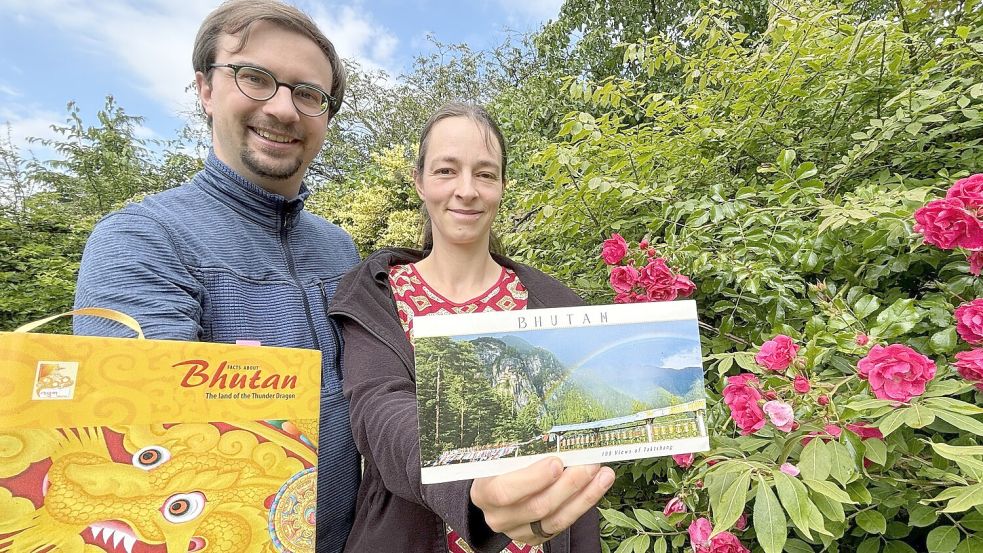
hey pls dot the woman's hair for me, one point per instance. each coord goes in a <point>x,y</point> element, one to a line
<point>236,17</point>
<point>492,131</point>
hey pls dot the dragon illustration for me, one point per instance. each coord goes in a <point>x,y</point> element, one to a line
<point>151,489</point>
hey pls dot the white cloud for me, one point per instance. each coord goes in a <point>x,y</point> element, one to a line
<point>152,39</point>
<point>30,122</point>
<point>356,36</point>
<point>681,359</point>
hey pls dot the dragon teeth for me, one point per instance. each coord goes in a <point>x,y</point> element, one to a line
<point>128,543</point>
<point>117,537</point>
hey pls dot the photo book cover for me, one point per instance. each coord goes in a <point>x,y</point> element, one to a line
<point>595,384</point>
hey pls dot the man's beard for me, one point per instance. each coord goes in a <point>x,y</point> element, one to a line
<point>277,171</point>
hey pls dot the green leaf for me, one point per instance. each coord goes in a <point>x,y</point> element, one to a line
<point>627,546</point>
<point>898,547</point>
<point>858,491</point>
<point>829,490</point>
<point>843,467</point>
<point>770,524</point>
<point>872,521</point>
<point>650,519</point>
<point>962,422</point>
<point>897,319</point>
<point>944,341</point>
<point>642,543</point>
<point>966,498</point>
<point>797,546</point>
<point>869,404</point>
<point>962,31</point>
<point>619,519</point>
<point>731,504</point>
<point>814,461</point>
<point>890,422</point>
<point>973,521</point>
<point>972,544</point>
<point>954,452</point>
<point>869,545</point>
<point>954,405</point>
<point>917,416</point>
<point>660,545</point>
<point>875,450</point>
<point>832,510</point>
<point>942,539</point>
<point>920,516</point>
<point>796,501</point>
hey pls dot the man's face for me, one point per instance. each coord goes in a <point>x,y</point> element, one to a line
<point>269,143</point>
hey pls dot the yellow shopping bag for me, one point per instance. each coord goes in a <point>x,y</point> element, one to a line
<point>146,446</point>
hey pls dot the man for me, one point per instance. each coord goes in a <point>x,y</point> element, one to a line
<point>232,254</point>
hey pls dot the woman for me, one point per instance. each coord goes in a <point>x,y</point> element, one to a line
<point>459,175</point>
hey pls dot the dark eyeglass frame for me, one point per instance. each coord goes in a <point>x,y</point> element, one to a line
<point>235,67</point>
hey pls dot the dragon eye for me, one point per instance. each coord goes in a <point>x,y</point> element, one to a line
<point>183,507</point>
<point>150,457</point>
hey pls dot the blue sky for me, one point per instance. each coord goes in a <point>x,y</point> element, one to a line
<point>54,51</point>
<point>669,344</point>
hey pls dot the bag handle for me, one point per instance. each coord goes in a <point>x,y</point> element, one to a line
<point>116,316</point>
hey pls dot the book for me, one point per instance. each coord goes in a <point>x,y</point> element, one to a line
<point>129,445</point>
<point>500,390</point>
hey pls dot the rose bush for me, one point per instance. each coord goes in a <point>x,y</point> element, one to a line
<point>820,244</point>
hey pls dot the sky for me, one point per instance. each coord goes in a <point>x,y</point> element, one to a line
<point>139,51</point>
<point>667,344</point>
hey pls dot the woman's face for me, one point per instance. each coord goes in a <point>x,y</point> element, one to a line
<point>461,182</point>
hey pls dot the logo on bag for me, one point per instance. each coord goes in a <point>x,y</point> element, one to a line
<point>55,380</point>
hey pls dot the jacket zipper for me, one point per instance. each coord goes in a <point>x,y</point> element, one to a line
<point>293,274</point>
<point>335,333</point>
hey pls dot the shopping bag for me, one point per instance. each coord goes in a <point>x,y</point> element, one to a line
<point>140,446</point>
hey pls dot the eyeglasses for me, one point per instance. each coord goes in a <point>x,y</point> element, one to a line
<point>260,85</point>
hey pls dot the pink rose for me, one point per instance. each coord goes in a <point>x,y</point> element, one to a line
<point>975,260</point>
<point>865,431</point>
<point>658,280</point>
<point>948,225</point>
<point>741,524</point>
<point>742,399</point>
<point>684,286</point>
<point>684,460</point>
<point>623,278</point>
<point>969,321</point>
<point>896,372</point>
<point>823,400</point>
<point>614,249</point>
<point>789,469</point>
<point>724,542</point>
<point>861,339</point>
<point>801,385</point>
<point>777,354</point>
<point>674,506</point>
<point>969,364</point>
<point>829,430</point>
<point>780,414</point>
<point>969,190</point>
<point>699,532</point>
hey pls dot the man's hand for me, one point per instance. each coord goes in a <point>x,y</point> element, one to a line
<point>543,492</point>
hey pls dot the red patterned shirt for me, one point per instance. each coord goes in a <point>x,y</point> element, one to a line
<point>415,297</point>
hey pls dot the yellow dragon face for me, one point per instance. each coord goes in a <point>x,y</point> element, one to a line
<point>184,488</point>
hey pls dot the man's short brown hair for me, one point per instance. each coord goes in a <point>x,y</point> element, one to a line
<point>235,17</point>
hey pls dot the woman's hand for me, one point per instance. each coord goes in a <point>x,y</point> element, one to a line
<point>543,492</point>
